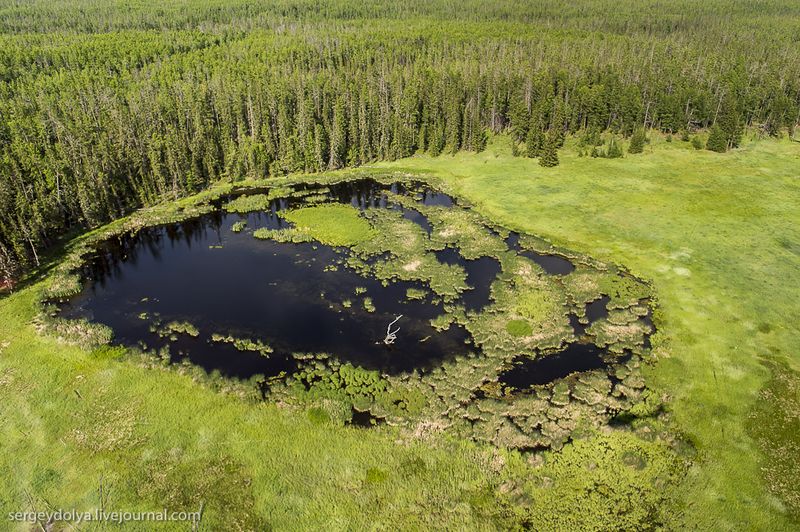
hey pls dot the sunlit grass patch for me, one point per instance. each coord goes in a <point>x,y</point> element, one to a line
<point>249,203</point>
<point>519,328</point>
<point>332,224</point>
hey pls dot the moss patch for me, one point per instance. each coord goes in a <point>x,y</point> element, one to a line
<point>776,416</point>
<point>519,328</point>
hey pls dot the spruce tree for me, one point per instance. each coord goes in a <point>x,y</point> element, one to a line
<point>9,267</point>
<point>729,122</point>
<point>436,140</point>
<point>591,137</point>
<point>338,136</point>
<point>534,140</point>
<point>637,141</point>
<point>549,157</point>
<point>320,146</point>
<point>716,140</point>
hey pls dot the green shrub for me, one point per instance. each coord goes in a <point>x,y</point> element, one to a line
<point>613,151</point>
<point>519,328</point>
<point>716,140</point>
<point>637,141</point>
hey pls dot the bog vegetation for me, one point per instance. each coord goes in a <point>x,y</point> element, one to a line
<point>523,316</point>
<point>108,106</point>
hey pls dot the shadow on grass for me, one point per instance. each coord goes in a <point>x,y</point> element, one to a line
<point>49,259</point>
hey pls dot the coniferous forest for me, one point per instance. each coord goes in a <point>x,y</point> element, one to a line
<point>106,106</point>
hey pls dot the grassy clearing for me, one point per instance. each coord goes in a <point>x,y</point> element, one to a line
<point>718,236</point>
<point>333,224</point>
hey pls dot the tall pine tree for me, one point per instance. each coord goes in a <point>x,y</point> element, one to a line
<point>549,157</point>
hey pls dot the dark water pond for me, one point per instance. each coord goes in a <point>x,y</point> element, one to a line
<point>283,294</point>
<point>278,292</point>
<point>552,264</point>
<point>480,274</point>
<point>595,310</point>
<point>575,358</point>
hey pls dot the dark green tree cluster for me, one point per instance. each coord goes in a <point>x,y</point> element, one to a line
<point>106,106</point>
<point>613,150</point>
<point>717,140</point>
<point>549,154</point>
<point>638,140</point>
<point>726,133</point>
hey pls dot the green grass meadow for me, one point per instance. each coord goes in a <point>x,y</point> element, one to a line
<point>719,236</point>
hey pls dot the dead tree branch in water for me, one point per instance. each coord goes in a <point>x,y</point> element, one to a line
<point>391,335</point>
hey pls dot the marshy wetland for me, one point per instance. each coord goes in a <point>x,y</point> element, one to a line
<point>370,302</point>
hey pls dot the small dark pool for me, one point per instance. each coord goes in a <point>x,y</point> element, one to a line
<point>576,358</point>
<point>365,419</point>
<point>418,218</point>
<point>481,272</point>
<point>595,310</point>
<point>433,198</point>
<point>552,264</point>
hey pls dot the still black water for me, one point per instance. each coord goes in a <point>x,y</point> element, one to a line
<point>575,358</point>
<point>283,294</point>
<point>278,292</point>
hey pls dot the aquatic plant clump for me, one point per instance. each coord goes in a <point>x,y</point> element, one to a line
<point>282,235</point>
<point>177,327</point>
<point>243,344</point>
<point>384,302</point>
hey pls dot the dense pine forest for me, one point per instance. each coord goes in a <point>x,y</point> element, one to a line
<point>106,106</point>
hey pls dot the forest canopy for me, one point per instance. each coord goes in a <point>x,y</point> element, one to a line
<point>106,106</point>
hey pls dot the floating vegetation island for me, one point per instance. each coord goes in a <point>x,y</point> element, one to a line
<point>371,302</point>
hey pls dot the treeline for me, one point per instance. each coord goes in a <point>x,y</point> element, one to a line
<point>93,125</point>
